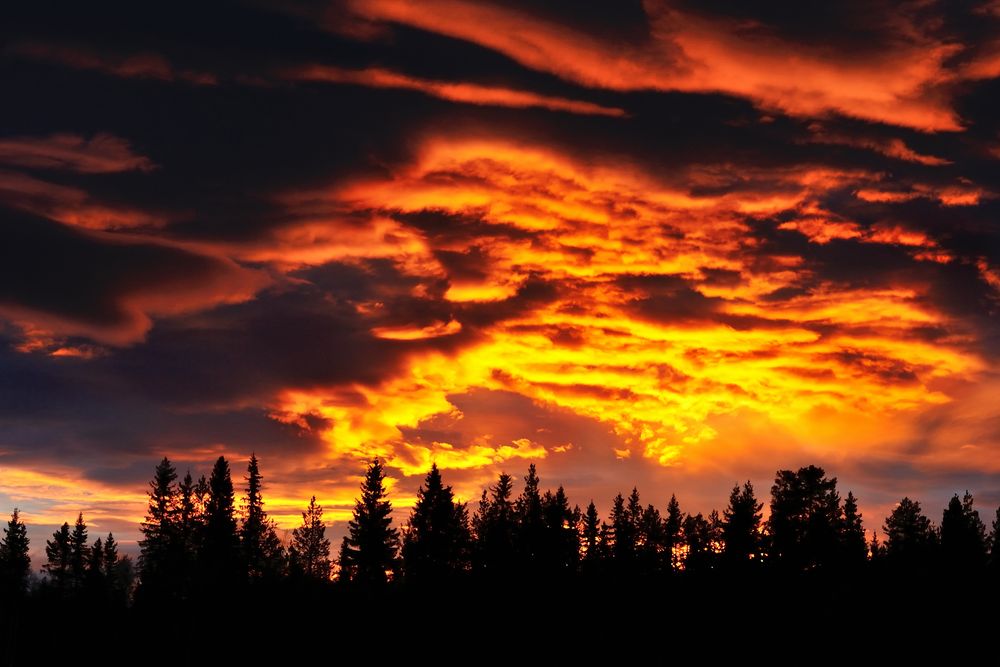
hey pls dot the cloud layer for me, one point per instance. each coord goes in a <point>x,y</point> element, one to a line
<point>667,244</point>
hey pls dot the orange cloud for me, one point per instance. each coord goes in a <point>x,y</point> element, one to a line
<point>101,154</point>
<point>686,53</point>
<point>468,93</point>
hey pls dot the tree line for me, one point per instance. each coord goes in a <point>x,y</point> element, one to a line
<point>197,541</point>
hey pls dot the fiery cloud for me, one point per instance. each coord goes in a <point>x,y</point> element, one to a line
<point>688,53</point>
<point>666,244</point>
<point>468,93</point>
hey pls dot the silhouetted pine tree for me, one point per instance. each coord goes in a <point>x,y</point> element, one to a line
<point>79,553</point>
<point>494,525</point>
<point>110,556</point>
<point>995,545</point>
<point>804,521</point>
<point>876,550</point>
<point>372,542</point>
<point>219,554</point>
<point>15,563</point>
<point>530,524</point>
<point>158,546</point>
<point>623,534</point>
<point>699,536</point>
<point>189,519</point>
<point>310,550</point>
<point>560,554</point>
<point>963,537</point>
<point>650,554</point>
<point>853,549</point>
<point>263,554</point>
<point>436,540</point>
<point>346,571</point>
<point>95,579</point>
<point>57,554</point>
<point>741,529</point>
<point>591,539</point>
<point>673,525</point>
<point>911,541</point>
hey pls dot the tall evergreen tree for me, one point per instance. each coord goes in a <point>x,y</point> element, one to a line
<point>560,553</point>
<point>110,555</point>
<point>591,536</point>
<point>699,536</point>
<point>673,525</point>
<point>15,562</point>
<point>57,554</point>
<point>805,517</point>
<point>741,528</point>
<point>530,524</point>
<point>995,544</point>
<point>311,548</point>
<point>189,518</point>
<point>912,540</point>
<point>876,550</point>
<point>494,526</point>
<point>372,541</point>
<point>79,553</point>
<point>346,570</point>
<point>437,540</point>
<point>853,548</point>
<point>650,553</point>
<point>623,528</point>
<point>158,546</point>
<point>95,579</point>
<point>263,554</point>
<point>963,537</point>
<point>219,544</point>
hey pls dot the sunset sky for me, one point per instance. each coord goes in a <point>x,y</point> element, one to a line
<point>675,245</point>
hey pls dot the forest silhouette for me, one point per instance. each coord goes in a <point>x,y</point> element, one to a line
<point>204,548</point>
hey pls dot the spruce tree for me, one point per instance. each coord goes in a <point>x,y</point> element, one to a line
<point>188,518</point>
<point>963,537</point>
<point>560,553</point>
<point>437,540</point>
<point>650,542</point>
<point>57,554</point>
<point>158,546</point>
<point>219,544</point>
<point>853,549</point>
<point>530,527</point>
<point>263,555</point>
<point>741,529</point>
<point>15,563</point>
<point>876,550</point>
<point>494,526</point>
<point>591,535</point>
<point>672,538</point>
<point>79,553</point>
<point>805,519</point>
<point>110,556</point>
<point>95,579</point>
<point>310,550</point>
<point>698,538</point>
<point>995,545</point>
<point>372,541</point>
<point>347,572</point>
<point>623,534</point>
<point>912,540</point>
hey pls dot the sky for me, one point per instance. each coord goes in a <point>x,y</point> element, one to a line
<point>664,244</point>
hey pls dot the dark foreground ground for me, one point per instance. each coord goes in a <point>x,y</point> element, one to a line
<point>801,620</point>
